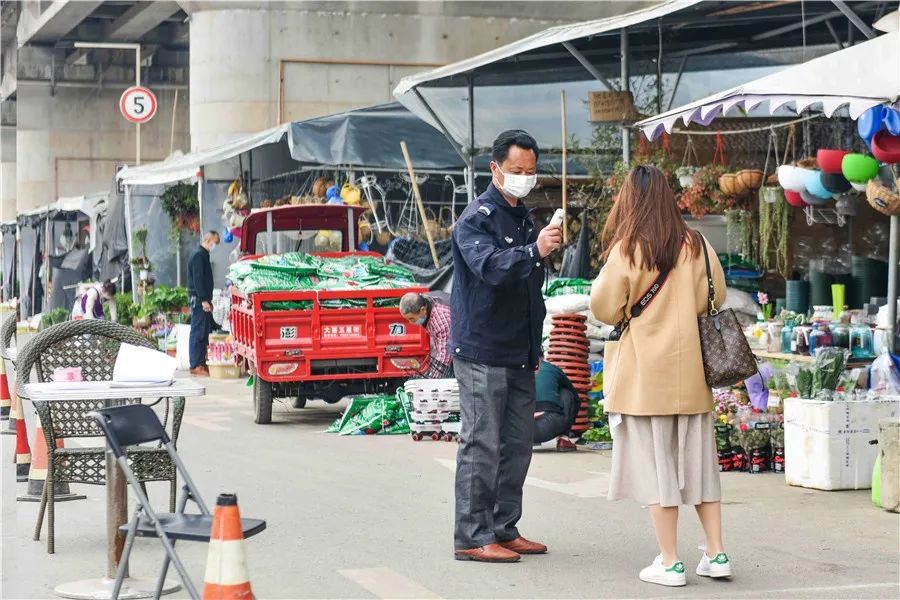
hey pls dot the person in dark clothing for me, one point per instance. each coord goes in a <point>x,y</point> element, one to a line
<point>556,407</point>
<point>200,292</point>
<point>497,313</point>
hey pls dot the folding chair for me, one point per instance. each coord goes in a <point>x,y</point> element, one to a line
<point>133,424</point>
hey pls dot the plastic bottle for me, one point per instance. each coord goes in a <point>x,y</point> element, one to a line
<point>787,338</point>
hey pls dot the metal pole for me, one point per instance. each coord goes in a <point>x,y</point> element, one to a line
<point>130,239</point>
<point>565,177</point>
<point>471,162</point>
<point>659,69</point>
<point>894,256</point>
<point>587,65</point>
<point>626,135</point>
<point>137,82</point>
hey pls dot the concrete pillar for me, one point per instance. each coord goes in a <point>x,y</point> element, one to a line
<point>889,448</point>
<point>7,173</point>
<point>232,77</point>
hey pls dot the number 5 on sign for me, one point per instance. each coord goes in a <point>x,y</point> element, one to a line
<point>137,104</point>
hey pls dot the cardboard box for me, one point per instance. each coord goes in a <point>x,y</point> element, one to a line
<point>827,445</point>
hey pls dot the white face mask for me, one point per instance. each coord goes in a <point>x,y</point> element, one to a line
<point>517,186</point>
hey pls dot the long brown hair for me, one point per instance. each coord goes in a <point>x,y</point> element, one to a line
<point>646,215</point>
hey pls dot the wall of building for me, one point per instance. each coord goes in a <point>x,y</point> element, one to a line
<point>338,56</point>
<point>74,137</point>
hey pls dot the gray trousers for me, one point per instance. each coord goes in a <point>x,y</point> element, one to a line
<point>497,413</point>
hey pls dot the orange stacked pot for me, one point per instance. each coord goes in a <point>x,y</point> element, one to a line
<point>569,349</point>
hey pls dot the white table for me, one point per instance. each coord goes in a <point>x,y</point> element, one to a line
<point>116,489</point>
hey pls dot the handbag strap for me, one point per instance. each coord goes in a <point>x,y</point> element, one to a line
<point>709,280</point>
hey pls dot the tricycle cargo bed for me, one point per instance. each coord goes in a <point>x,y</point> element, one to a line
<point>294,336</point>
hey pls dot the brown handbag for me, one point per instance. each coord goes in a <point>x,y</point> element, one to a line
<point>727,358</point>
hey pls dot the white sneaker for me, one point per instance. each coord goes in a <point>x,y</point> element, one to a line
<point>660,574</point>
<point>716,567</point>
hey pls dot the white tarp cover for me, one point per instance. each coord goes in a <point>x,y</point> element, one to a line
<point>858,77</point>
<point>186,166</point>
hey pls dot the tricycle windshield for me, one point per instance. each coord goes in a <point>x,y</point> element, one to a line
<point>312,241</point>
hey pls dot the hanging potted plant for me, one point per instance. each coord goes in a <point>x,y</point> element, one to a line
<point>181,204</point>
<point>704,196</point>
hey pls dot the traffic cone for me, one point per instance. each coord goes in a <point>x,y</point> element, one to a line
<point>5,399</point>
<point>37,475</point>
<point>12,416</point>
<point>23,450</point>
<point>226,568</point>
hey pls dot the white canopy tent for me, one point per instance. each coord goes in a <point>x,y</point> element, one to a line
<point>857,78</point>
<point>182,167</point>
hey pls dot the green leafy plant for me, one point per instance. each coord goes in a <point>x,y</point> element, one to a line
<point>54,317</point>
<point>181,204</point>
<point>124,309</point>
<point>166,299</point>
<point>140,238</point>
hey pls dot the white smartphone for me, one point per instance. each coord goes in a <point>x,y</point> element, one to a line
<point>557,219</point>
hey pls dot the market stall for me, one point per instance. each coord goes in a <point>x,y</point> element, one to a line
<point>9,283</point>
<point>818,343</point>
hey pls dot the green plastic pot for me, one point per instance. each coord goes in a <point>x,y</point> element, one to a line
<point>859,167</point>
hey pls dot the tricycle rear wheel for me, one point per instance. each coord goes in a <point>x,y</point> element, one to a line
<point>262,401</point>
<point>299,402</point>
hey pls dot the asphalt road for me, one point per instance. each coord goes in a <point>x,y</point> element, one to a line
<point>371,516</point>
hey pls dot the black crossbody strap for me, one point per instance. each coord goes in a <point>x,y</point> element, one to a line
<point>642,304</point>
<point>711,296</point>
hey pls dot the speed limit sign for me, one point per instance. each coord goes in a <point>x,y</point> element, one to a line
<point>137,104</point>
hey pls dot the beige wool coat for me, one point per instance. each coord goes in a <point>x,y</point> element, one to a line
<point>657,367</point>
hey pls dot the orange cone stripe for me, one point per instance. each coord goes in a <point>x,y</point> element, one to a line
<point>5,399</point>
<point>212,591</point>
<point>227,524</point>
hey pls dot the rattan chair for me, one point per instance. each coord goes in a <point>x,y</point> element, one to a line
<point>93,345</point>
<point>7,335</point>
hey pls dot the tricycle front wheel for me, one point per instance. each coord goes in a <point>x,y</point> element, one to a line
<point>262,401</point>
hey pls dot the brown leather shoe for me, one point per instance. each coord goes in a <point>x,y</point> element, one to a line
<point>200,372</point>
<point>491,553</point>
<point>523,546</point>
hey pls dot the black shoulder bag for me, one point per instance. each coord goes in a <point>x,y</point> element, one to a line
<point>727,358</point>
<point>640,306</point>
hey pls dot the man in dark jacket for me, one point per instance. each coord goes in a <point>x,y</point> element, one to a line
<point>495,340</point>
<point>200,291</point>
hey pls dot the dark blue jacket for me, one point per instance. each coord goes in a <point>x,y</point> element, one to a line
<point>496,304</point>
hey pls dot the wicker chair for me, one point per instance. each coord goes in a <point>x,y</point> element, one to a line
<point>7,335</point>
<point>93,345</point>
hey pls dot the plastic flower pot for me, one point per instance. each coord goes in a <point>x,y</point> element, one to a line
<point>814,200</point>
<point>792,178</point>
<point>835,183</point>
<point>794,198</point>
<point>814,185</point>
<point>886,147</point>
<point>859,168</point>
<point>829,160</point>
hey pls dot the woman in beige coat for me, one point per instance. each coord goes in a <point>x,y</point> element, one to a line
<point>660,407</point>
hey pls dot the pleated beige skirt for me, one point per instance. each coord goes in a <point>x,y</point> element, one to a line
<point>666,460</point>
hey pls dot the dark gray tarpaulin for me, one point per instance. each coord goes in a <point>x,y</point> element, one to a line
<point>370,137</point>
<point>147,212</point>
<point>30,241</point>
<point>8,231</point>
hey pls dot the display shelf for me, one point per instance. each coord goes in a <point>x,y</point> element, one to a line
<point>824,216</point>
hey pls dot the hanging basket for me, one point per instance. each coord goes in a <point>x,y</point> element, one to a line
<point>772,194</point>
<point>882,198</point>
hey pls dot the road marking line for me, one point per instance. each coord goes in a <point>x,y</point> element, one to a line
<point>595,487</point>
<point>387,583</point>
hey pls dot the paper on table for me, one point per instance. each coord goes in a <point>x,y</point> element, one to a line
<point>135,364</point>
